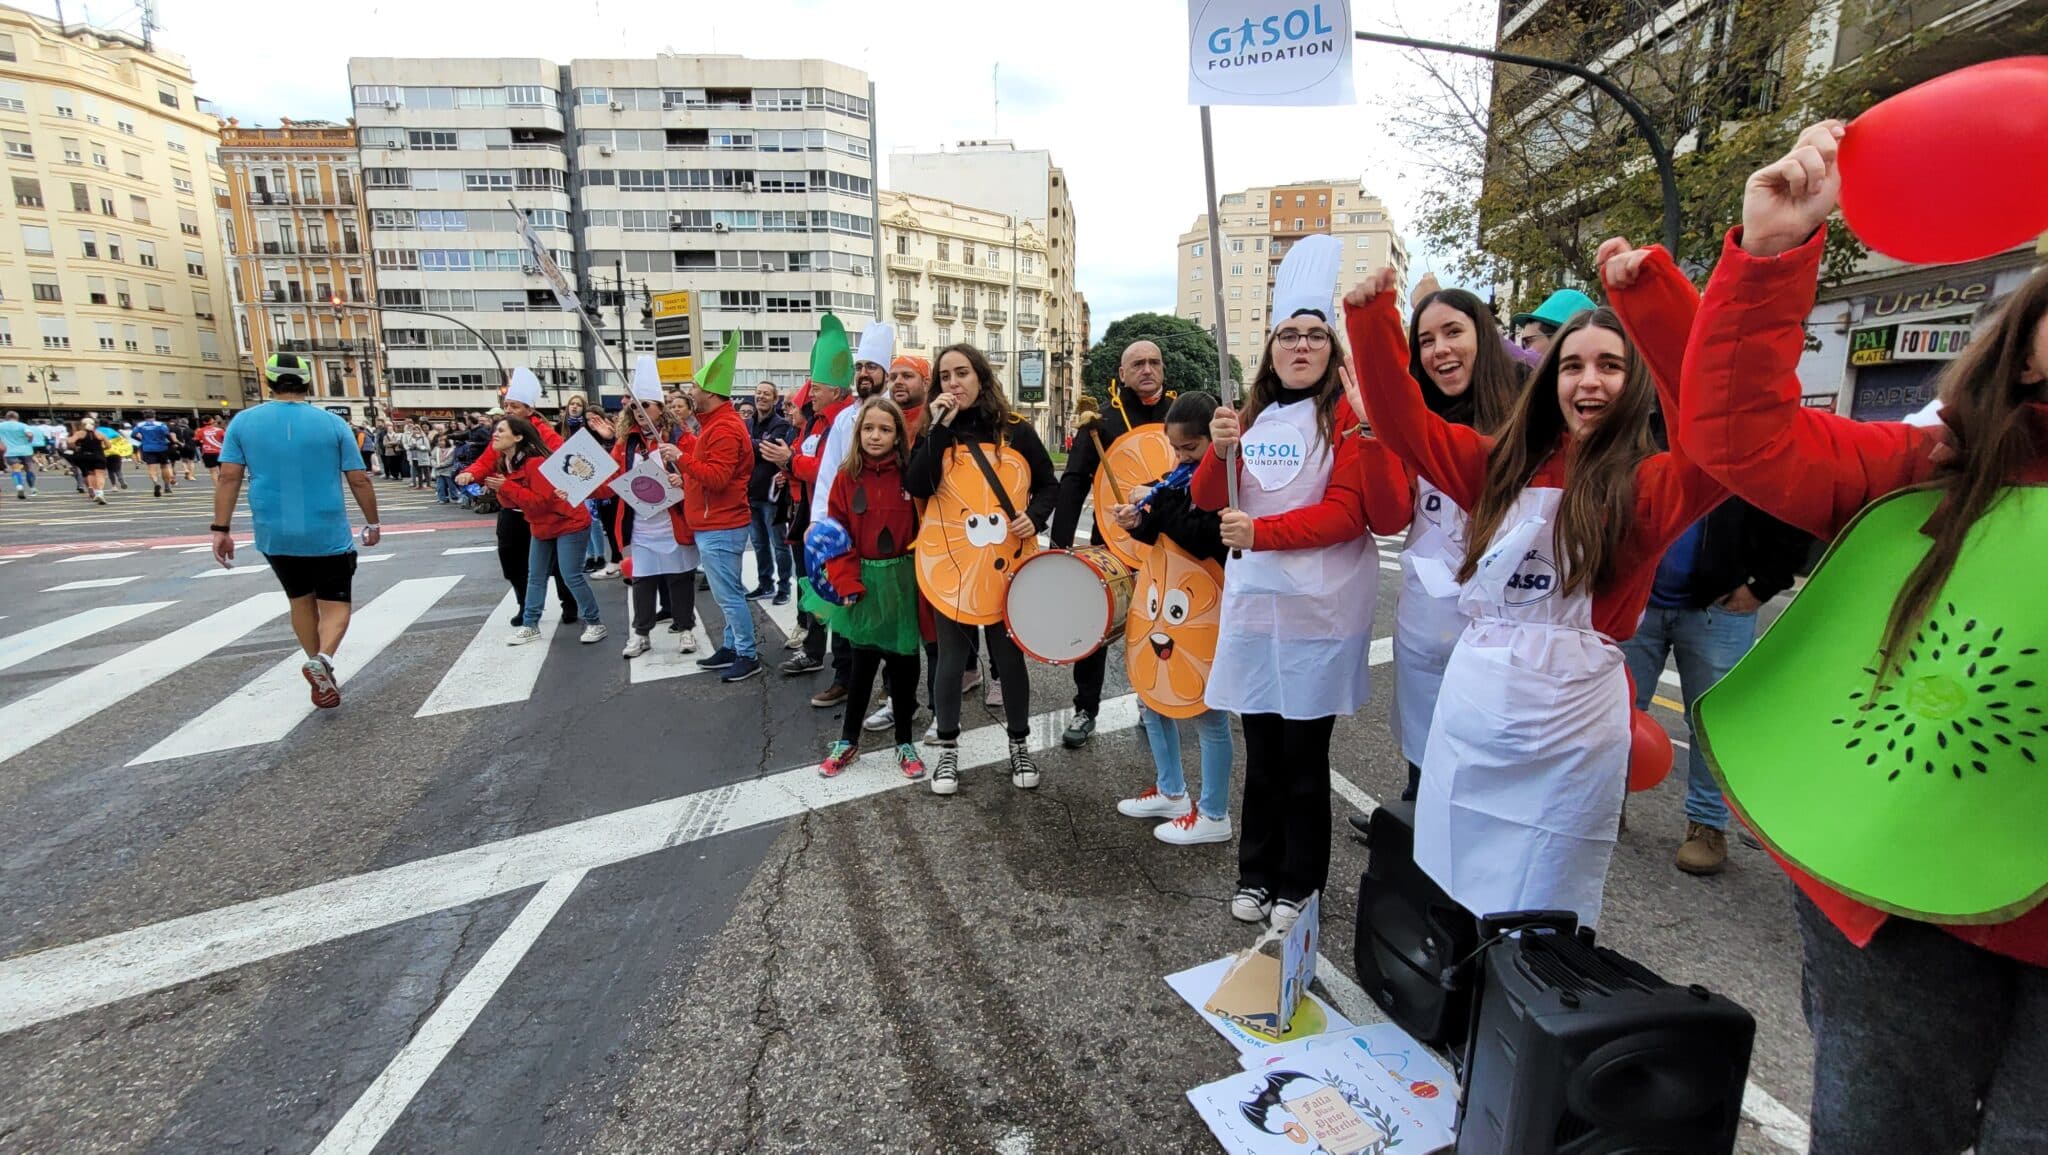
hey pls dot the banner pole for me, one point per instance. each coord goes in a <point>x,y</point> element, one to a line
<point>1226,388</point>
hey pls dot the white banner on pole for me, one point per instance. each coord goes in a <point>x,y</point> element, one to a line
<point>579,467</point>
<point>1272,52</point>
<point>544,261</point>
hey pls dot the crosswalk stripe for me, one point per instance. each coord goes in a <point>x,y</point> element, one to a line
<point>462,549</point>
<point>34,643</point>
<point>58,707</point>
<point>784,616</point>
<point>96,556</point>
<point>270,707</point>
<point>367,558</point>
<point>666,659</point>
<point>488,672</point>
<point>242,566</point>
<point>94,584</point>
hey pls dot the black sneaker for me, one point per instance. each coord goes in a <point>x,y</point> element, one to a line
<point>742,669</point>
<point>1079,730</point>
<point>946,775</point>
<point>719,659</point>
<point>759,592</point>
<point>781,597</point>
<point>1023,770</point>
<point>802,664</point>
<point>1251,904</point>
<point>518,616</point>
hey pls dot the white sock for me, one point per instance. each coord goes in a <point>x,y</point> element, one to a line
<point>327,659</point>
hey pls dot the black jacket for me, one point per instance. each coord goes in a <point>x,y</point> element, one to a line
<point>928,460</point>
<point>769,428</point>
<point>1742,545</point>
<point>1174,513</point>
<point>1083,459</point>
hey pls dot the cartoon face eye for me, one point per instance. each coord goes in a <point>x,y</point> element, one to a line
<point>1152,602</point>
<point>985,529</point>
<point>1176,607</point>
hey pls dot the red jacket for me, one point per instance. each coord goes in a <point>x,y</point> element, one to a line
<point>882,522</point>
<point>715,472</point>
<point>805,466</point>
<point>1368,489</point>
<point>1743,421</point>
<point>548,514</point>
<point>486,463</point>
<point>623,517</point>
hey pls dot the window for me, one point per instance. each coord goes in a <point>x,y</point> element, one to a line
<point>1199,250</point>
<point>7,47</point>
<point>945,253</point>
<point>1300,199</point>
<point>28,192</point>
<point>195,263</point>
<point>127,126</point>
<point>1237,270</point>
<point>104,330</point>
<point>70,147</point>
<point>1198,297</point>
<point>56,333</point>
<point>35,240</point>
<point>138,209</point>
<point>145,252</point>
<point>1364,242</point>
<point>113,246</point>
<point>18,145</point>
<point>202,304</point>
<point>181,181</point>
<point>106,200</point>
<point>99,154</point>
<point>81,198</point>
<point>167,383</point>
<point>1195,273</point>
<point>12,95</point>
<point>131,163</point>
<point>188,223</point>
<point>1236,293</point>
<point>1320,222</point>
<point>89,245</point>
<point>944,337</point>
<point>166,96</point>
<point>153,296</point>
<point>162,337</point>
<point>43,287</point>
<point>967,252</point>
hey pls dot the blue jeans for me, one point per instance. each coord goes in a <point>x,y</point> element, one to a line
<point>599,548</point>
<point>565,551</point>
<point>721,551</point>
<point>1708,643</point>
<point>771,549</point>
<point>1213,729</point>
<point>444,487</point>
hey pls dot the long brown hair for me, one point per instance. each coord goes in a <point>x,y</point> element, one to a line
<point>1266,386</point>
<point>1598,507</point>
<point>1496,377</point>
<point>856,457</point>
<point>1984,404</point>
<point>989,403</point>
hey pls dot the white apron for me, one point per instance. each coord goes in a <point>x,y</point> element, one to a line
<point>1295,634</point>
<point>1527,757</point>
<point>1428,620</point>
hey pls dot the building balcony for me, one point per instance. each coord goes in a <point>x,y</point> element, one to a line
<point>364,346</point>
<point>897,262</point>
<point>969,313</point>
<point>1028,320</point>
<point>945,311</point>
<point>906,306</point>
<point>1027,281</point>
<point>994,318</point>
<point>970,273</point>
<point>998,357</point>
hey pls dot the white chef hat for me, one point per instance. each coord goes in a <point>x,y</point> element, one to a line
<point>877,344</point>
<point>525,387</point>
<point>1307,280</point>
<point>646,383</point>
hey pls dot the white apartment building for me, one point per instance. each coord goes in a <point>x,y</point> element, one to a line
<point>1257,225</point>
<point>956,273</point>
<point>1025,184</point>
<point>448,148</point>
<point>749,182</point>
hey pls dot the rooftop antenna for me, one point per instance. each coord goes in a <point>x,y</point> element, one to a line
<point>149,25</point>
<point>996,91</point>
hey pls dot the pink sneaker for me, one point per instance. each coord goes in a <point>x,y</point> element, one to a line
<point>909,762</point>
<point>838,758</point>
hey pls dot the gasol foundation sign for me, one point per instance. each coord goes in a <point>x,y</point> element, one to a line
<point>1275,52</point>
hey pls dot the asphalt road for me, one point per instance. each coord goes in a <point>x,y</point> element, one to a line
<point>509,900</point>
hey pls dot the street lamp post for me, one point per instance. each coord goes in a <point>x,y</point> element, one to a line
<point>48,378</point>
<point>1659,151</point>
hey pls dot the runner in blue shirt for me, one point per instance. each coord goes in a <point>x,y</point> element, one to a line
<point>154,439</point>
<point>297,458</point>
<point>20,444</point>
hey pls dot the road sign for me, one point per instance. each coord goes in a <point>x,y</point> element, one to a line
<point>1031,376</point>
<point>675,340</point>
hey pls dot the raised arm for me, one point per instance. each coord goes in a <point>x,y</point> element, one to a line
<point>1452,457</point>
<point>1657,305</point>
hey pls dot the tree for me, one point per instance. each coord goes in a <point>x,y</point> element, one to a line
<point>1189,351</point>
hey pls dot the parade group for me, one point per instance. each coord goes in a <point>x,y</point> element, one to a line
<point>1233,563</point>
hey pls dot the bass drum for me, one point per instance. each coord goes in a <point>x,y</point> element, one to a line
<point>1063,605</point>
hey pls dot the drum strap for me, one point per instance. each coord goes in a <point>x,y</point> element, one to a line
<point>988,474</point>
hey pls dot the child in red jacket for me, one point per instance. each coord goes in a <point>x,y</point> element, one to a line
<point>560,530</point>
<point>878,579</point>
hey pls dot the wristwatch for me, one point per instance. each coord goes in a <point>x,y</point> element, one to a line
<point>219,529</point>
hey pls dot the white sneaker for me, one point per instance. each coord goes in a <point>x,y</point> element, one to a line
<point>931,732</point>
<point>638,646</point>
<point>610,571</point>
<point>523,635</point>
<point>1153,804</point>
<point>994,697</point>
<point>594,632</point>
<point>1250,904</point>
<point>689,642</point>
<point>796,639</point>
<point>881,719</point>
<point>1191,828</point>
<point>946,776</point>
<point>1284,914</point>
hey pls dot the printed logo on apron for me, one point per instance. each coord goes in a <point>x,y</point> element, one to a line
<point>1274,453</point>
<point>1431,507</point>
<point>810,445</point>
<point>1532,581</point>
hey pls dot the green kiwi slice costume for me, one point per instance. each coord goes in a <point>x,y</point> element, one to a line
<point>1923,792</point>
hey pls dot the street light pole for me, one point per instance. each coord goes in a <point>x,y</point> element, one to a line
<point>1659,151</point>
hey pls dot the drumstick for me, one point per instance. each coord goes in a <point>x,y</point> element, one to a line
<point>1116,491</point>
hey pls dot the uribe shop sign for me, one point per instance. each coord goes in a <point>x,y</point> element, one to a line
<point>1278,52</point>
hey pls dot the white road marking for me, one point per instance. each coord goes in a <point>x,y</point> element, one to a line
<point>462,549</point>
<point>784,616</point>
<point>1669,678</point>
<point>94,584</point>
<point>367,1120</point>
<point>50,984</point>
<point>489,672</point>
<point>366,559</point>
<point>33,643</point>
<point>1348,996</point>
<point>58,707</point>
<point>1391,567</point>
<point>271,706</point>
<point>666,659</point>
<point>243,565</point>
<point>403,532</point>
<point>95,556</point>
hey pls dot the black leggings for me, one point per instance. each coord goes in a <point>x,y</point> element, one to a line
<point>681,589</point>
<point>955,650</point>
<point>902,690</point>
<point>1283,838</point>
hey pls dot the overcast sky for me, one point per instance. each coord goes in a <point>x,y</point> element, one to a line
<point>1102,84</point>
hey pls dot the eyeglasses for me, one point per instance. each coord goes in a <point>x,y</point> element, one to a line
<point>1296,339</point>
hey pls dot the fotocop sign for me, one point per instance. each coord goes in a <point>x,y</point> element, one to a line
<point>1275,52</point>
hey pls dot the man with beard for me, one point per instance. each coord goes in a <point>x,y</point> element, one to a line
<point>1142,399</point>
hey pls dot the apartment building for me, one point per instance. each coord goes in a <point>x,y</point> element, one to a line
<point>1256,228</point>
<point>112,285</point>
<point>301,269</point>
<point>957,273</point>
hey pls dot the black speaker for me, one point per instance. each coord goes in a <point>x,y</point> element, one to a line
<point>1577,1050</point>
<point>1412,937</point>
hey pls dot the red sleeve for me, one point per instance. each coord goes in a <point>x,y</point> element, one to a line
<point>1741,418</point>
<point>713,459</point>
<point>1389,488</point>
<point>522,492</point>
<point>1210,487</point>
<point>486,463</point>
<point>1658,312</point>
<point>1452,457</point>
<point>548,436</point>
<point>619,459</point>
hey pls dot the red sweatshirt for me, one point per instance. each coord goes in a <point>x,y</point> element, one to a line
<point>1368,489</point>
<point>886,524</point>
<point>548,514</point>
<point>486,463</point>
<point>715,472</point>
<point>1743,420</point>
<point>1671,491</point>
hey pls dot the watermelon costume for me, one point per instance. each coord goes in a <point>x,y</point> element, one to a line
<point>884,617</point>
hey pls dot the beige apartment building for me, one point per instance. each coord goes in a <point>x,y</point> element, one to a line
<point>1257,227</point>
<point>955,273</point>
<point>301,271</point>
<point>113,292</point>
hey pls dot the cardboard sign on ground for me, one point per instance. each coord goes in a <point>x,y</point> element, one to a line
<point>1334,1100</point>
<point>1426,1092</point>
<point>579,467</point>
<point>1260,990</point>
<point>1312,1016</point>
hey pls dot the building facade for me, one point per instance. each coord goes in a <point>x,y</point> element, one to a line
<point>301,272</point>
<point>448,150</point>
<point>956,273</point>
<point>113,290</point>
<point>1026,185</point>
<point>1256,228</point>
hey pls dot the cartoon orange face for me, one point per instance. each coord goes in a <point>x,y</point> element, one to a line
<point>965,554</point>
<point>1140,457</point>
<point>1170,637</point>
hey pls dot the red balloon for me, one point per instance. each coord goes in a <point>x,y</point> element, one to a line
<point>1649,752</point>
<point>1953,169</point>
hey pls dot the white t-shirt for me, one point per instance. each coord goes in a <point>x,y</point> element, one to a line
<point>838,443</point>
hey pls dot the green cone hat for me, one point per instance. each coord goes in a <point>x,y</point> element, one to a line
<point>832,356</point>
<point>717,376</point>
